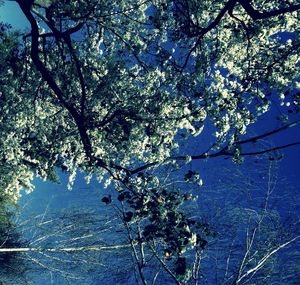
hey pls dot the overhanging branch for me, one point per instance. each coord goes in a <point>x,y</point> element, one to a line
<point>270,149</point>
<point>225,151</point>
<point>267,134</point>
<point>256,15</point>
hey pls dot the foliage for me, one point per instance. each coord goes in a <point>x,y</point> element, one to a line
<point>139,75</point>
<point>159,224</point>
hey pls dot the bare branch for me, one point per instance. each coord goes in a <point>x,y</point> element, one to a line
<point>270,149</point>
<point>263,260</point>
<point>65,249</point>
<point>267,134</point>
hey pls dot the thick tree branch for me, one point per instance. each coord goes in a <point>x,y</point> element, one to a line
<point>38,63</point>
<point>256,15</point>
<point>66,36</point>
<point>51,82</point>
<point>56,32</point>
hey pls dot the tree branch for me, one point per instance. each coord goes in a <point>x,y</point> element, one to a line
<point>38,63</point>
<point>80,74</point>
<point>228,7</point>
<point>53,85</point>
<point>256,15</point>
<point>225,150</point>
<point>164,265</point>
<point>263,260</point>
<point>270,149</point>
<point>267,134</point>
<point>66,249</point>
